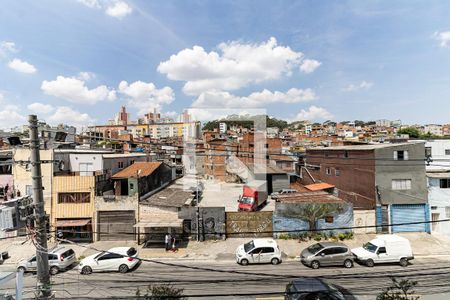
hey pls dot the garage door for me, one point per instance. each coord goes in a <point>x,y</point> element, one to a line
<point>408,214</point>
<point>116,225</point>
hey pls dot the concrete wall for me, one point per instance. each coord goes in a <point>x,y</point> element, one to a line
<point>388,169</point>
<point>79,158</point>
<point>22,177</point>
<point>438,148</point>
<point>438,200</point>
<point>364,218</point>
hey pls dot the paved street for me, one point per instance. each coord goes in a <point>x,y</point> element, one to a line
<point>228,280</point>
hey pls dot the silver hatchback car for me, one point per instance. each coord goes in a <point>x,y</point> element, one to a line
<point>327,254</point>
<point>59,259</point>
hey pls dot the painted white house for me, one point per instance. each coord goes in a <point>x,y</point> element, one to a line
<point>438,179</point>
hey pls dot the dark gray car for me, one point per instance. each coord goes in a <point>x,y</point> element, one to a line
<point>327,254</point>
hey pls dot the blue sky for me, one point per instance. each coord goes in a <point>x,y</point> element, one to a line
<point>78,61</point>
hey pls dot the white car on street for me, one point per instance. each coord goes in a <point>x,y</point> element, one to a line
<point>120,259</point>
<point>258,251</point>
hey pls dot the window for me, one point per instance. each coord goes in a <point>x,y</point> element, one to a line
<point>401,184</point>
<point>256,251</point>
<point>329,219</point>
<point>447,212</point>
<point>328,251</point>
<point>381,250</point>
<point>444,183</point>
<point>52,257</point>
<point>447,151</point>
<point>29,190</point>
<point>110,256</point>
<point>74,197</point>
<point>120,164</point>
<point>328,171</point>
<point>346,154</point>
<point>337,172</point>
<point>268,250</point>
<point>401,155</point>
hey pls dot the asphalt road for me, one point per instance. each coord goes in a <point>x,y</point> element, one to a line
<point>227,280</point>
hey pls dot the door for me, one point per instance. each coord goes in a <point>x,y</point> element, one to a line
<point>267,254</point>
<point>435,225</point>
<point>116,225</point>
<point>338,256</point>
<point>409,213</point>
<point>255,255</point>
<point>105,262</point>
<point>32,264</point>
<point>86,169</point>
<point>325,257</point>
<point>382,255</point>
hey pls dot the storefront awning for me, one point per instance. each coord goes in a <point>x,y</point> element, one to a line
<point>72,222</point>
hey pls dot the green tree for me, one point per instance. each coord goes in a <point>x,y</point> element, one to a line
<point>399,290</point>
<point>411,131</point>
<point>160,292</point>
<point>312,212</point>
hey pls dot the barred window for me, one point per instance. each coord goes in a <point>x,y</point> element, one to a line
<point>74,197</point>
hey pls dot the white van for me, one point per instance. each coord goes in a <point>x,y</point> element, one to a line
<point>258,251</point>
<point>384,249</point>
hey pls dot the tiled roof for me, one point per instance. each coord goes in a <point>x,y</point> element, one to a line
<point>142,169</point>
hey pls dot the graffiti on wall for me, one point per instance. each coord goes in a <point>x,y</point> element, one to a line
<point>211,222</point>
<point>249,224</point>
<point>294,218</point>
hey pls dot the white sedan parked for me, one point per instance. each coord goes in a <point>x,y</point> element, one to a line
<point>119,259</point>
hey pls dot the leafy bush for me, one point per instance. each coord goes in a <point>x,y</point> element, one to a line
<point>399,290</point>
<point>317,237</point>
<point>342,236</point>
<point>160,292</point>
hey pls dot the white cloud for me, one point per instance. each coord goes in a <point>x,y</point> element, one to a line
<point>69,116</point>
<point>314,113</point>
<point>7,47</point>
<point>86,76</point>
<point>91,3</point>
<point>21,66</point>
<point>443,37</point>
<point>257,99</point>
<point>118,10</point>
<point>364,85</point>
<point>113,8</point>
<point>40,108</point>
<point>309,65</point>
<point>74,90</point>
<point>145,96</point>
<point>234,66</point>
<point>9,115</point>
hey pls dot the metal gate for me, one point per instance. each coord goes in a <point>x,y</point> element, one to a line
<point>409,213</point>
<point>116,225</point>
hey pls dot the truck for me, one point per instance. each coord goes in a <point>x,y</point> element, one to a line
<point>384,249</point>
<point>254,195</point>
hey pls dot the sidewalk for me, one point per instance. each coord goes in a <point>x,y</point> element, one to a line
<point>423,245</point>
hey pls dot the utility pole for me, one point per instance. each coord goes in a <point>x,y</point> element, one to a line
<point>197,213</point>
<point>43,275</point>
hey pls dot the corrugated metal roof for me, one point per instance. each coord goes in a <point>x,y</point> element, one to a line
<point>319,186</point>
<point>140,169</point>
<point>310,197</point>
